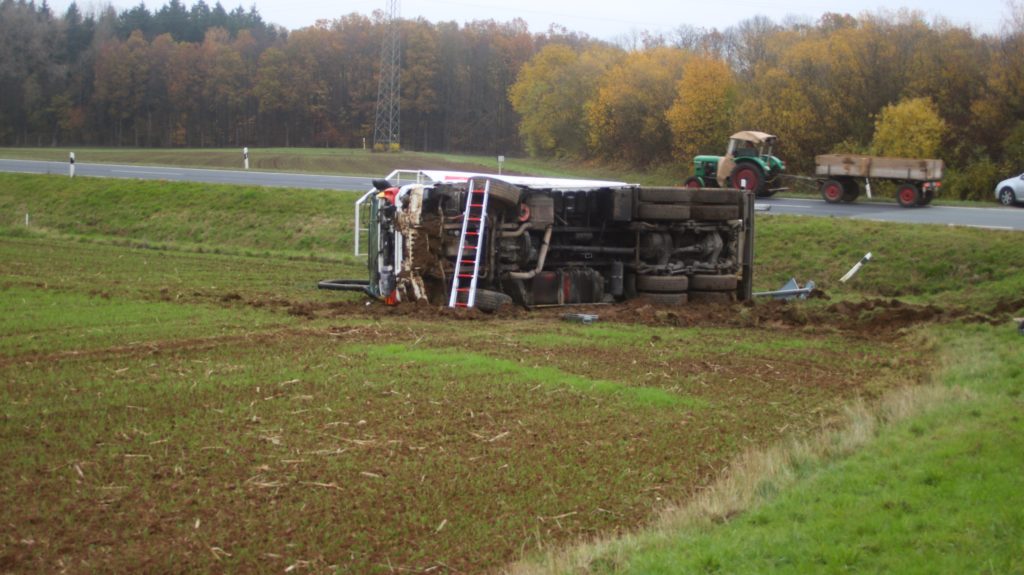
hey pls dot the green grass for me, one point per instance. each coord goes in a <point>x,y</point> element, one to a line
<point>175,394</point>
<point>347,161</point>
<point>936,493</point>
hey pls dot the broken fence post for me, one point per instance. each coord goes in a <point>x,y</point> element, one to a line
<point>856,268</point>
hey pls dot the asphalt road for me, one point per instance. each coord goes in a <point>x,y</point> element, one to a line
<point>1000,218</point>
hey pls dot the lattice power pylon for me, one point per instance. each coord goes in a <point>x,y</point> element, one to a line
<point>386,127</point>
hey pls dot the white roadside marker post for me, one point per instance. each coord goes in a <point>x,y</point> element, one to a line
<point>856,268</point>
<point>71,165</point>
<point>245,156</point>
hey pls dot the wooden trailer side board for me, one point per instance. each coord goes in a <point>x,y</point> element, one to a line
<point>857,166</point>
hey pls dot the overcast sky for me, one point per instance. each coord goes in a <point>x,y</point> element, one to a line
<point>606,20</point>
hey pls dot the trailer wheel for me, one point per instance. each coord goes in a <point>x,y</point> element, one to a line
<point>489,301</point>
<point>663,212</point>
<point>908,195</point>
<point>713,283</point>
<point>665,298</point>
<point>851,190</point>
<point>926,197</point>
<point>693,182</point>
<point>748,176</point>
<point>662,284</point>
<point>832,191</point>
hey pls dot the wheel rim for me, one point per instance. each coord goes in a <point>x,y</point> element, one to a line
<point>1006,197</point>
<point>692,183</point>
<point>747,175</point>
<point>833,191</point>
<point>908,195</point>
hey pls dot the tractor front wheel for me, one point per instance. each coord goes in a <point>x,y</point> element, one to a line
<point>693,182</point>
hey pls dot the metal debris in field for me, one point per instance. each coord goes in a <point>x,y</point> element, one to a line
<point>580,317</point>
<point>791,290</point>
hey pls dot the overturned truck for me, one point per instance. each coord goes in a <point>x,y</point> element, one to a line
<point>477,240</point>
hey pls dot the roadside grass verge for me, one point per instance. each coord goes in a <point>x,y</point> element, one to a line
<point>254,219</point>
<point>925,481</point>
<point>979,269</point>
<point>350,162</point>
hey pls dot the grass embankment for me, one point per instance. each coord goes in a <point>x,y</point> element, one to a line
<point>175,408</point>
<point>927,482</point>
<point>345,161</point>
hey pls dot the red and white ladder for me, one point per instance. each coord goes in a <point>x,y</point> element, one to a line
<point>467,262</point>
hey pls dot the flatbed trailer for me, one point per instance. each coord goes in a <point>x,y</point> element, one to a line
<point>839,175</point>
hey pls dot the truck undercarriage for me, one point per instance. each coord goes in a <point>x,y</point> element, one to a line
<point>554,242</point>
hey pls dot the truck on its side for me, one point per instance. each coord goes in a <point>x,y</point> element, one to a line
<point>482,240</point>
<point>918,180</point>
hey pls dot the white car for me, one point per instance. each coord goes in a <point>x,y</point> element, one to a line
<point>1011,191</point>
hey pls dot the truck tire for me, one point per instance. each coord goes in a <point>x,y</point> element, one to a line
<point>682,195</point>
<point>712,297</point>
<point>713,283</point>
<point>908,195</point>
<point>832,191</point>
<point>662,284</point>
<point>715,213</point>
<point>504,194</point>
<point>489,301</point>
<point>663,212</point>
<point>665,298</point>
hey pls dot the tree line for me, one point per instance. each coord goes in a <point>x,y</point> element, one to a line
<point>888,83</point>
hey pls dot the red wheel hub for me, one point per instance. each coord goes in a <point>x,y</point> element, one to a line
<point>833,191</point>
<point>746,176</point>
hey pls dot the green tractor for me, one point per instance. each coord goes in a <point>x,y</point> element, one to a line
<point>748,164</point>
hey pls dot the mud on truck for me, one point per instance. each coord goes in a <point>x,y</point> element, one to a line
<point>476,240</point>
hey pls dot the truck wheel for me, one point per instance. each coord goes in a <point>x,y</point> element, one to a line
<point>489,301</point>
<point>662,284</point>
<point>504,194</point>
<point>693,182</point>
<point>665,298</point>
<point>712,297</point>
<point>663,212</point>
<point>832,191</point>
<point>748,176</point>
<point>908,195</point>
<point>851,190</point>
<point>713,283</point>
<point>715,213</point>
<point>682,195</point>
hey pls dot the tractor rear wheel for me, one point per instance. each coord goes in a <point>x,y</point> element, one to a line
<point>748,176</point>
